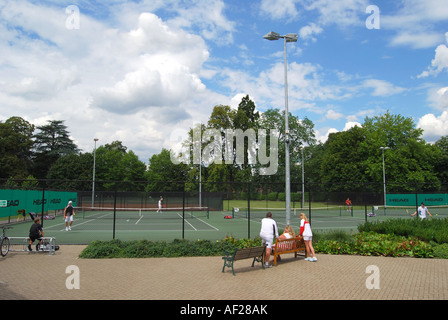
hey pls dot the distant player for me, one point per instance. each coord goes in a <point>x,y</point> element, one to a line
<point>69,212</point>
<point>348,203</point>
<point>160,204</point>
<point>422,210</point>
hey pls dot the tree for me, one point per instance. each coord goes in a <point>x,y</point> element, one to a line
<point>114,163</point>
<point>50,143</point>
<point>342,163</point>
<point>301,133</point>
<point>72,172</point>
<point>409,162</point>
<point>15,148</point>
<point>441,166</point>
<point>246,117</point>
<point>162,170</point>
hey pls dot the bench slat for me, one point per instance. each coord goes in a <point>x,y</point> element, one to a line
<point>293,245</point>
<point>257,253</point>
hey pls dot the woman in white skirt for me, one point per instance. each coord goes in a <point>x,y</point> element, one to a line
<point>307,234</point>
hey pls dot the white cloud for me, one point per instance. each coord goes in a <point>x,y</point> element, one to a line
<point>414,23</point>
<point>344,14</point>
<point>309,32</point>
<point>382,88</point>
<point>351,124</point>
<point>122,83</point>
<point>323,133</point>
<point>341,13</point>
<point>416,40</point>
<point>205,15</point>
<point>434,127</point>
<point>438,98</point>
<point>279,9</point>
<point>333,115</point>
<point>440,61</point>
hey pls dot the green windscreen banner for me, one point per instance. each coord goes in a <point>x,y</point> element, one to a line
<point>31,200</point>
<point>432,199</point>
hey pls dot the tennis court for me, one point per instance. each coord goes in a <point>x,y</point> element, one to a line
<point>136,224</point>
<point>195,223</point>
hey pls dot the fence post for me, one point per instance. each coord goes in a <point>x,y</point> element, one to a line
<point>115,211</point>
<point>43,206</point>
<point>309,203</point>
<point>183,212</point>
<point>248,210</point>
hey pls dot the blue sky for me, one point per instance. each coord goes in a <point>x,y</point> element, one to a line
<point>143,72</point>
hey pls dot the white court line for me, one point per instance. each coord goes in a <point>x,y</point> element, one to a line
<point>180,216</point>
<point>187,222</point>
<point>139,219</point>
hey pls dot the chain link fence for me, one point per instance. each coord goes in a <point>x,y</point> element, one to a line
<point>168,210</point>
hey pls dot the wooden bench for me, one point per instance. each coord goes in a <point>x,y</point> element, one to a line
<point>257,253</point>
<point>282,246</point>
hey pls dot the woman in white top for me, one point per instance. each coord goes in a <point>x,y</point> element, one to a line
<point>288,233</point>
<point>307,234</point>
<point>268,230</point>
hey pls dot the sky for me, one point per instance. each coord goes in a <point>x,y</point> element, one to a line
<point>144,72</point>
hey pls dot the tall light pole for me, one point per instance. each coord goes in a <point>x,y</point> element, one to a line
<point>303,178</point>
<point>290,37</point>
<point>384,175</point>
<point>93,177</point>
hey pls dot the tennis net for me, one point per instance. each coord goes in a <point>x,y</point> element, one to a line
<point>139,213</point>
<point>278,213</point>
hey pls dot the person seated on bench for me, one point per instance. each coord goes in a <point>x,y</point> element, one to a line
<point>288,233</point>
<point>36,233</point>
<point>268,230</point>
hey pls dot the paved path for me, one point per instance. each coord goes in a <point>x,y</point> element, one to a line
<point>31,275</point>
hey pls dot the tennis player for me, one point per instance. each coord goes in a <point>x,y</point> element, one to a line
<point>422,210</point>
<point>348,203</point>
<point>69,212</point>
<point>160,204</point>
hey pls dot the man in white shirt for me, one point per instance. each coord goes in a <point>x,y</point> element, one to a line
<point>268,231</point>
<point>422,210</point>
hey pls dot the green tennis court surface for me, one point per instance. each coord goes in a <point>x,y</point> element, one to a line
<point>133,225</point>
<point>137,224</point>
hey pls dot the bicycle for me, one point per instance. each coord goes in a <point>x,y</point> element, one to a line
<point>4,242</point>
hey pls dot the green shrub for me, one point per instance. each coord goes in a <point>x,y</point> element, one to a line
<point>337,235</point>
<point>146,248</point>
<point>272,196</point>
<point>428,230</point>
<point>440,250</point>
<point>376,244</point>
<point>101,249</point>
<point>242,243</point>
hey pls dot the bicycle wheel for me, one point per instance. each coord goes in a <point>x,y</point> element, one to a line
<point>4,246</point>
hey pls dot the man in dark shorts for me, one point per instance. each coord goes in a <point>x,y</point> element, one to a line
<point>69,212</point>
<point>36,233</point>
